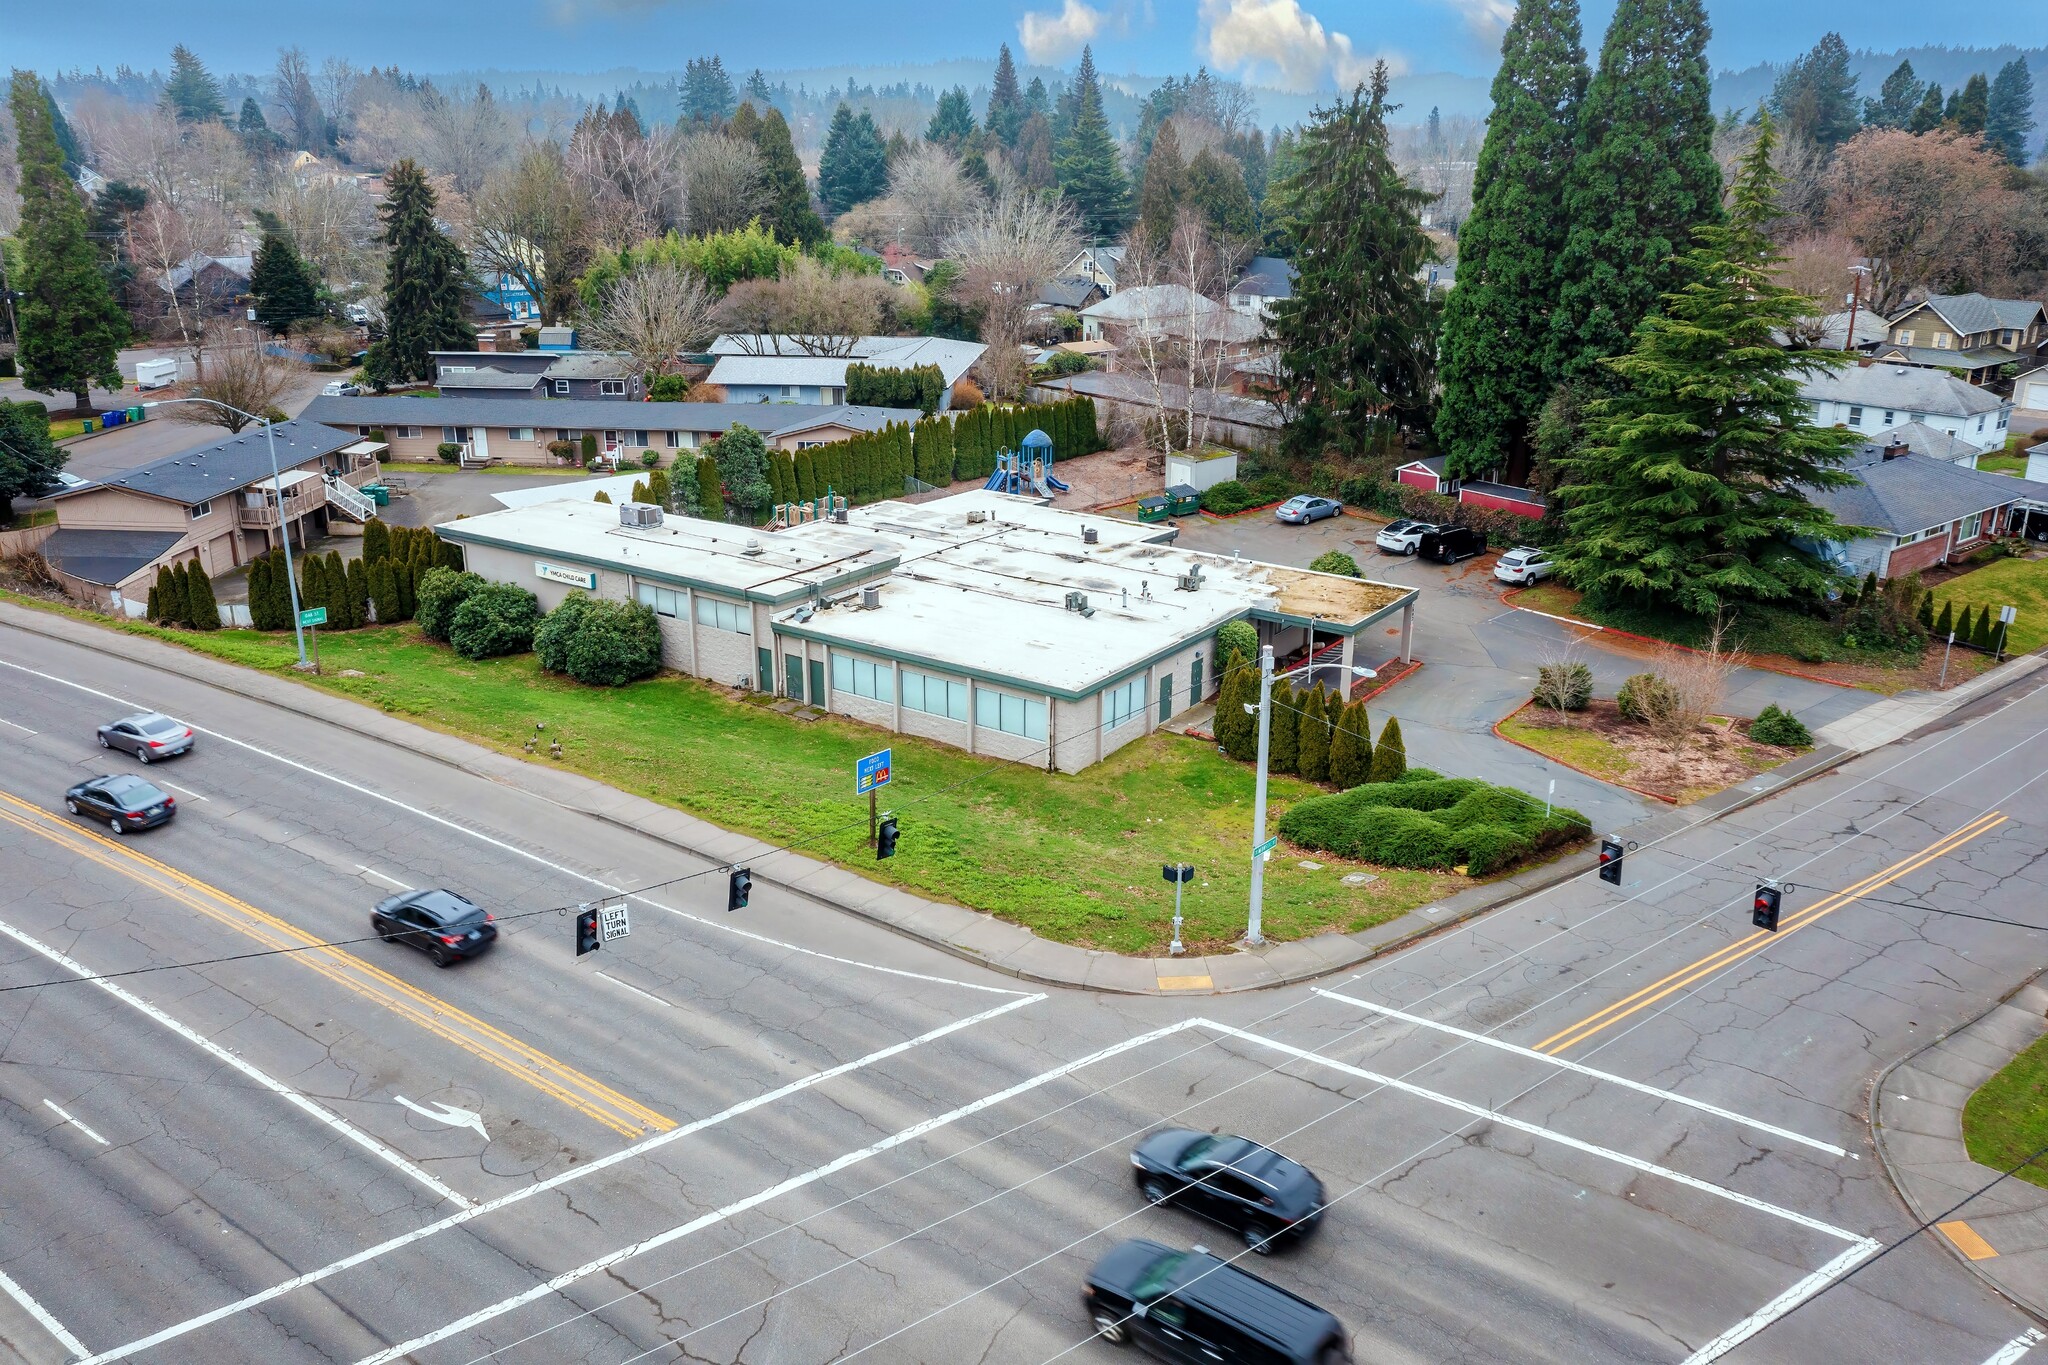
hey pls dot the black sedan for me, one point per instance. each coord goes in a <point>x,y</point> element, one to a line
<point>1253,1190</point>
<point>124,801</point>
<point>440,924</point>
<point>148,736</point>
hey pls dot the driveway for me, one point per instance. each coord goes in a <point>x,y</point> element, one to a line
<point>430,499</point>
<point>1481,659</point>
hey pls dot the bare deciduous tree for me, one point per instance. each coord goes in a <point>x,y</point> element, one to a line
<point>1937,209</point>
<point>653,313</point>
<point>332,222</point>
<point>529,222</point>
<point>724,183</point>
<point>161,238</point>
<point>810,310</point>
<point>466,138</point>
<point>1698,679</point>
<point>1817,265</point>
<point>928,200</point>
<point>1175,331</point>
<point>1007,251</point>
<point>297,105</point>
<point>243,375</point>
<point>633,182</point>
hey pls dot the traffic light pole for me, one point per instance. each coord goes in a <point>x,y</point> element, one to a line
<point>871,818</point>
<point>1252,936</point>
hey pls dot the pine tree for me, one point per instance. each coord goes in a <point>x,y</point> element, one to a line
<point>1358,332</point>
<point>192,94</point>
<point>709,493</point>
<point>1089,167</point>
<point>69,327</point>
<point>1814,98</point>
<point>1643,179</point>
<point>1686,490</point>
<point>790,215</point>
<point>854,167</point>
<point>1896,99</point>
<point>1283,737</point>
<point>2009,115</point>
<point>707,94</point>
<point>426,278</point>
<point>952,125</point>
<point>283,284</point>
<point>376,540</point>
<point>1494,380</point>
<point>1006,108</point>
<point>203,608</point>
<point>1313,760</point>
<point>1161,189</point>
<point>1351,747</point>
<point>1927,117</point>
<point>1970,111</point>
<point>1390,755</point>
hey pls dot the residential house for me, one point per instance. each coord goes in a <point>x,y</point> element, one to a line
<point>1171,311</point>
<point>1071,293</point>
<point>520,430</point>
<point>2030,400</point>
<point>759,368</point>
<point>1919,511</point>
<point>1827,332</point>
<point>1098,264</point>
<point>214,282</point>
<point>509,293</point>
<point>1241,423</point>
<point>539,374</point>
<point>902,266</point>
<point>1876,398</point>
<point>1263,281</point>
<point>216,506</point>
<point>1426,472</point>
<point>1968,334</point>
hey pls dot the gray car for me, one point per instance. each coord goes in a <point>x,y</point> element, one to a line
<point>148,736</point>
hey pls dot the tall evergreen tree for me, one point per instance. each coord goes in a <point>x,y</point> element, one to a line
<point>710,496</point>
<point>1927,117</point>
<point>69,328</point>
<point>1237,732</point>
<point>1494,380</point>
<point>1688,490</point>
<point>1390,755</point>
<point>1214,183</point>
<point>2009,116</point>
<point>952,125</point>
<point>283,284</point>
<point>707,93</point>
<point>426,279</point>
<point>376,540</point>
<point>1896,99</point>
<point>1643,179</point>
<point>202,607</point>
<point>29,459</point>
<point>1086,160</point>
<point>1313,761</point>
<point>1161,187</point>
<point>1970,109</point>
<point>1358,332</point>
<point>789,214</point>
<point>1815,97</point>
<point>1006,107</point>
<point>1283,738</point>
<point>854,167</point>
<point>192,94</point>
<point>1350,747</point>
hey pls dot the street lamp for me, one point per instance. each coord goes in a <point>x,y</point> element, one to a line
<point>1252,937</point>
<point>1180,874</point>
<point>277,486</point>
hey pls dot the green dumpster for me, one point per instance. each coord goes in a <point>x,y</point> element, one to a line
<point>1182,501</point>
<point>1152,509</point>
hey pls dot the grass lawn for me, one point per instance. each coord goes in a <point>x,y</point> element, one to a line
<point>1076,858</point>
<point>41,516</point>
<point>61,427</point>
<point>1597,742</point>
<point>2006,1121</point>
<point>2003,464</point>
<point>2021,583</point>
<point>1585,750</point>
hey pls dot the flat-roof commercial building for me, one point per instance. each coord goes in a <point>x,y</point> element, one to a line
<point>995,623</point>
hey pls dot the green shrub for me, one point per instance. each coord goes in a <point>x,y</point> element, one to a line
<point>552,638</point>
<point>1489,848</point>
<point>1227,497</point>
<point>497,618</point>
<point>648,459</point>
<point>1237,642</point>
<point>1389,754</point>
<point>1781,728</point>
<point>1430,821</point>
<point>1645,697</point>
<point>439,594</point>
<point>1564,687</point>
<point>589,449</point>
<point>449,451</point>
<point>1335,561</point>
<point>615,643</point>
<point>1394,836</point>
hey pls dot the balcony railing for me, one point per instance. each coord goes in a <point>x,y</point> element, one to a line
<point>298,501</point>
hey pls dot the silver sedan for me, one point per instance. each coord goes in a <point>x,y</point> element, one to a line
<point>148,736</point>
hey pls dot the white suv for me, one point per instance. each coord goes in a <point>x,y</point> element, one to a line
<point>1404,537</point>
<point>1524,564</point>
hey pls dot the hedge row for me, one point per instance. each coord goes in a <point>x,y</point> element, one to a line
<point>1500,528</point>
<point>1425,820</point>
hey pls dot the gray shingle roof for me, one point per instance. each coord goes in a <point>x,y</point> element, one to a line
<point>580,414</point>
<point>231,463</point>
<point>488,378</point>
<point>1913,492</point>
<point>1902,388</point>
<point>1976,313</point>
<point>108,558</point>
<point>855,415</point>
<point>1269,276</point>
<point>1072,292</point>
<point>1982,358</point>
<point>1932,442</point>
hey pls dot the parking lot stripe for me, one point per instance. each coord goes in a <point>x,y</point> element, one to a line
<point>41,1315</point>
<point>1777,1308</point>
<point>570,1176</point>
<point>221,1054</point>
<point>1559,1062</point>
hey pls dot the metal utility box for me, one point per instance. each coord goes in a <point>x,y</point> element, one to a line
<point>1200,471</point>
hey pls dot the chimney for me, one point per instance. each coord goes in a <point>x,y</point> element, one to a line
<point>487,341</point>
<point>1895,447</point>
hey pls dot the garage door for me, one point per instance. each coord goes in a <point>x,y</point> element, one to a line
<point>2036,396</point>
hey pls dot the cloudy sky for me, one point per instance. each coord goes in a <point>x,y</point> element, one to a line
<point>1293,44</point>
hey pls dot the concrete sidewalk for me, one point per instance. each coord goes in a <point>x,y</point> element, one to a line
<point>1916,1115</point>
<point>1881,722</point>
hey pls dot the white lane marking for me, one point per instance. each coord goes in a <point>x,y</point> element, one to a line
<point>42,1315</point>
<point>525,853</point>
<point>23,728</point>
<point>637,991</point>
<point>60,1112</point>
<point>1785,1302</point>
<point>1535,1130</point>
<point>176,788</point>
<point>388,881</point>
<point>2010,1353</point>
<point>552,1182</point>
<point>448,1114</point>
<point>795,1182</point>
<point>1564,1065</point>
<point>227,1058</point>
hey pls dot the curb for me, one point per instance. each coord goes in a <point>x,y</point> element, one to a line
<point>1875,1106</point>
<point>1566,763</point>
<point>1382,685</point>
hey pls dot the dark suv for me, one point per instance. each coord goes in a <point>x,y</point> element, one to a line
<point>1190,1306</point>
<point>1252,1190</point>
<point>439,923</point>
<point>1449,544</point>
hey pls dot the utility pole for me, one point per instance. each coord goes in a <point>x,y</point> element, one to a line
<point>1858,270</point>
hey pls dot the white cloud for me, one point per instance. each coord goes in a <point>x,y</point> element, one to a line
<point>1051,37</point>
<point>1487,18</point>
<point>1280,42</point>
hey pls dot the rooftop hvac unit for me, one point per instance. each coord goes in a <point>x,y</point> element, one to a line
<point>1077,601</point>
<point>1089,535</point>
<point>839,515</point>
<point>753,547</point>
<point>976,517</point>
<point>870,598</point>
<point>639,514</point>
<point>1191,581</point>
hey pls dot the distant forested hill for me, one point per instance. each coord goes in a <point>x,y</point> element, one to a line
<point>1949,66</point>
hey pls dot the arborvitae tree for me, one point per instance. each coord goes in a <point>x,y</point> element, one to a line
<point>1358,335</point>
<point>854,167</point>
<point>1283,740</point>
<point>1390,755</point>
<point>1643,179</point>
<point>1006,107</point>
<point>1686,491</point>
<point>790,215</point>
<point>1313,758</point>
<point>260,583</point>
<point>1966,626</point>
<point>1237,732</point>
<point>406,578</point>
<point>358,595</point>
<point>1945,622</point>
<point>313,585</point>
<point>192,94</point>
<point>68,326</point>
<point>1088,164</point>
<point>162,606</point>
<point>806,476</point>
<point>1985,637</point>
<point>1896,99</point>
<point>425,281</point>
<point>1351,747</point>
<point>2009,116</point>
<point>710,495</point>
<point>1927,117</point>
<point>1970,109</point>
<point>376,540</point>
<point>1495,380</point>
<point>1815,97</point>
<point>203,607</point>
<point>1925,616</point>
<point>283,283</point>
<point>178,600</point>
<point>383,592</point>
<point>334,574</point>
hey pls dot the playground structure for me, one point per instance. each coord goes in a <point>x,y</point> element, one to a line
<point>826,508</point>
<point>1028,467</point>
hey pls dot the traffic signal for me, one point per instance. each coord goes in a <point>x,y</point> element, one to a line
<point>1610,861</point>
<point>738,889</point>
<point>1764,913</point>
<point>587,939</point>
<point>885,838</point>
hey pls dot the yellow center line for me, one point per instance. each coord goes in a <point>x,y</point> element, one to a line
<point>482,1040</point>
<point>1759,939</point>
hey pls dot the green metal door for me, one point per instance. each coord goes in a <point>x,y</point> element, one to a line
<point>764,665</point>
<point>793,674</point>
<point>817,682</point>
<point>1195,682</point>
<point>1166,699</point>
